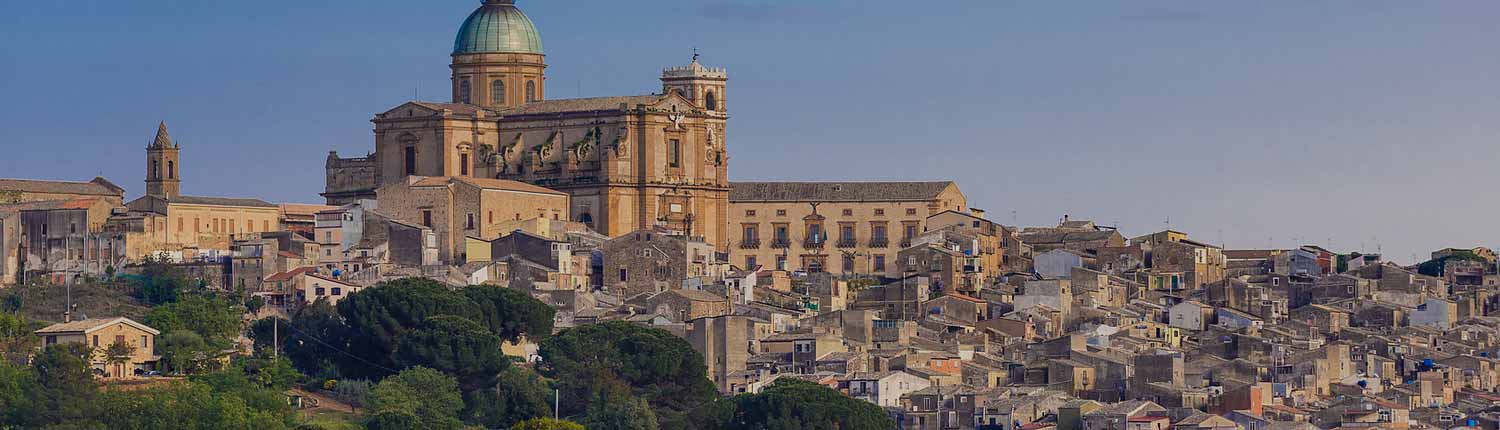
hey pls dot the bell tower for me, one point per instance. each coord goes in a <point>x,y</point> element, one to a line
<point>703,85</point>
<point>162,164</point>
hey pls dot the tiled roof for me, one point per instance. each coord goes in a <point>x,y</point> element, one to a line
<point>89,325</point>
<point>294,209</point>
<point>220,201</point>
<point>47,205</point>
<point>458,108</point>
<point>489,184</point>
<point>593,104</point>
<point>1065,236</point>
<point>836,191</point>
<point>97,187</point>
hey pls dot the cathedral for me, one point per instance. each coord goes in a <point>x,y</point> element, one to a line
<point>628,162</point>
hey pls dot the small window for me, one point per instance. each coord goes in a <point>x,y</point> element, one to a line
<point>497,92</point>
<point>463,164</point>
<point>531,91</point>
<point>880,212</point>
<point>674,153</point>
<point>427,218</point>
<point>463,91</point>
<point>469,223</point>
<point>781,212</point>
<point>750,212</point>
<point>848,212</point>
<point>911,211</point>
<point>338,291</point>
<point>624,275</point>
<point>320,292</point>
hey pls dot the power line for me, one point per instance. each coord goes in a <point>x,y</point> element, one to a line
<point>341,351</point>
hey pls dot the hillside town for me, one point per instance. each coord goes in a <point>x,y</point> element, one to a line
<point>620,216</point>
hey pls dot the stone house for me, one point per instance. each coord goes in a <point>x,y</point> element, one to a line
<point>1059,263</point>
<point>455,207</point>
<point>99,334</point>
<point>654,260</point>
<point>885,389</point>
<point>1116,416</point>
<point>939,408</point>
<point>686,305</point>
<point>958,307</point>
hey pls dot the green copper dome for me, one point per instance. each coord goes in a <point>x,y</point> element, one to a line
<point>498,27</point>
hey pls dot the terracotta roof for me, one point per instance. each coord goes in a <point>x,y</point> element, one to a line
<point>836,191</point>
<point>593,104</point>
<point>489,184</point>
<point>85,326</point>
<point>48,205</point>
<point>97,187</point>
<point>288,275</point>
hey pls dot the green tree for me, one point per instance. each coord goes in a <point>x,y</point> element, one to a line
<point>455,346</point>
<point>377,317</point>
<point>184,351</point>
<point>791,404</point>
<point>393,420</point>
<point>262,333</point>
<point>216,320</point>
<point>317,340</point>
<point>518,394</point>
<point>272,373</point>
<point>190,405</point>
<point>161,282</point>
<point>427,394</point>
<point>621,413</point>
<point>65,385</point>
<point>18,386</point>
<point>620,358</point>
<point>512,314</point>
<point>546,424</point>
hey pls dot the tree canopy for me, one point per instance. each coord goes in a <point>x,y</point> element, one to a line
<point>793,404</point>
<point>429,396</point>
<point>377,317</point>
<point>455,346</point>
<point>605,361</point>
<point>510,313</point>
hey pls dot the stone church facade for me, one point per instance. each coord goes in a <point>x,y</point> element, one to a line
<point>628,162</point>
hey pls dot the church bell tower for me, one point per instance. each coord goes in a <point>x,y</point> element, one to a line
<point>703,85</point>
<point>161,166</point>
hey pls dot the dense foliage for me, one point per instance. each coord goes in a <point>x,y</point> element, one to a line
<point>517,395</point>
<point>428,396</point>
<point>456,346</point>
<point>791,404</point>
<point>615,360</point>
<point>511,314</point>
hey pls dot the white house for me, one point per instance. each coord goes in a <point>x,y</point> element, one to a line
<point>1190,315</point>
<point>885,389</point>
<point>1435,312</point>
<point>1057,263</point>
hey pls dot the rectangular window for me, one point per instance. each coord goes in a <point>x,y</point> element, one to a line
<point>878,231</point>
<point>491,216</point>
<point>781,212</point>
<point>463,164</point>
<point>180,225</point>
<point>674,153</point>
<point>781,262</point>
<point>96,341</point>
<point>846,232</point>
<point>144,346</point>
<point>848,263</point>
<point>469,223</point>
<point>750,234</point>
<point>848,212</point>
<point>427,218</point>
<point>880,212</point>
<point>911,211</point>
<point>249,226</point>
<point>411,160</point>
<point>781,233</point>
<point>750,212</point>
<point>624,275</point>
<point>749,262</point>
<point>265,225</point>
<point>879,263</point>
<point>197,225</point>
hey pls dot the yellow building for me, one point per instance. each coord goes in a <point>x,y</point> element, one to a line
<point>628,163</point>
<point>836,227</point>
<point>165,220</point>
<point>99,334</point>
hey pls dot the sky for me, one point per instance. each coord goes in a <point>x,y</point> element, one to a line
<point>1359,125</point>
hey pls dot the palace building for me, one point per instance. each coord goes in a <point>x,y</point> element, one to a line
<point>627,163</point>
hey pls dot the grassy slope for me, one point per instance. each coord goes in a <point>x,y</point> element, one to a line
<point>46,303</point>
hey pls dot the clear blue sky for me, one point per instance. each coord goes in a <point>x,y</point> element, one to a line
<point>1350,123</point>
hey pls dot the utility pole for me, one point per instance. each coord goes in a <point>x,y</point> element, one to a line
<point>275,338</point>
<point>556,401</point>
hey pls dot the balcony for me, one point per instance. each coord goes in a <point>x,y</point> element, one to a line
<point>750,244</point>
<point>812,243</point>
<point>906,243</point>
<point>848,242</point>
<point>880,242</point>
<point>781,243</point>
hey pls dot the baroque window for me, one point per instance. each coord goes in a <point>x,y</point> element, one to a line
<point>463,91</point>
<point>530,91</point>
<point>497,92</point>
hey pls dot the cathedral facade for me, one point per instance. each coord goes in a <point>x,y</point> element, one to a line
<point>629,162</point>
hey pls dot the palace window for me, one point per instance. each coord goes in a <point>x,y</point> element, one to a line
<point>751,234</point>
<point>411,160</point>
<point>674,153</point>
<point>911,211</point>
<point>781,212</point>
<point>749,262</point>
<point>848,212</point>
<point>497,92</point>
<point>750,212</point>
<point>530,91</point>
<point>879,263</point>
<point>880,212</point>
<point>463,164</point>
<point>463,91</point>
<point>848,263</point>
